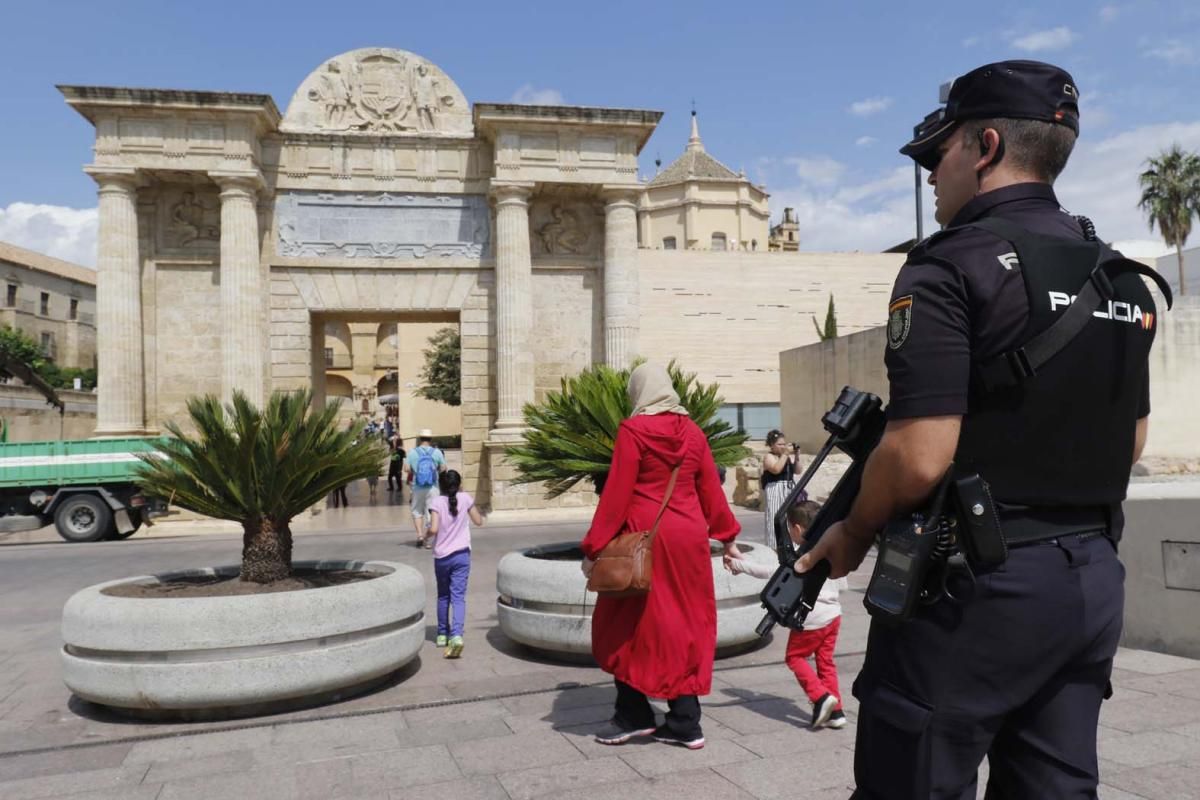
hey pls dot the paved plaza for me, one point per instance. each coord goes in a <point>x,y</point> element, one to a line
<point>499,723</point>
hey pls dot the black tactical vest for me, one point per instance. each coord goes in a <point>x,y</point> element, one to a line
<point>1064,436</point>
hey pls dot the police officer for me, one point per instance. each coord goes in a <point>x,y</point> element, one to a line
<point>1016,672</point>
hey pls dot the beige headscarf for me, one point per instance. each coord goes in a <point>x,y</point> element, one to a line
<point>651,391</point>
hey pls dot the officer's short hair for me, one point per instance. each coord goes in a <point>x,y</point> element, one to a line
<point>1032,145</point>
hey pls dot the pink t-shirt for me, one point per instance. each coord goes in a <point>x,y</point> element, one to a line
<point>454,533</point>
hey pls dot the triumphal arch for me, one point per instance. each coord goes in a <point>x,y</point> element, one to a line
<point>229,235</point>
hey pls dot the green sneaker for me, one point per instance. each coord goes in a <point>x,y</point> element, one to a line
<point>456,647</point>
<point>440,641</point>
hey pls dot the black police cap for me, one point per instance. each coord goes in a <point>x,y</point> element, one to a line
<point>1004,90</point>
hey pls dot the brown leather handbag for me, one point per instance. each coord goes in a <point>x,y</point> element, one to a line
<point>624,567</point>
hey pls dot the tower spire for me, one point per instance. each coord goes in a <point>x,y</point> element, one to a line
<point>694,142</point>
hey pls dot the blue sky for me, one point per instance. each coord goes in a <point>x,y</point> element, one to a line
<point>812,99</point>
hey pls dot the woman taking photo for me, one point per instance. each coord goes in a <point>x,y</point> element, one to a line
<point>778,478</point>
<point>660,644</point>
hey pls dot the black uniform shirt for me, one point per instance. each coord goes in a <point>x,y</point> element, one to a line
<point>961,297</point>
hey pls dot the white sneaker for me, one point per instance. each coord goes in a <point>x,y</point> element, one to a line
<point>823,710</point>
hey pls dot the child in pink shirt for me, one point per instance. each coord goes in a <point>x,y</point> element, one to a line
<point>451,513</point>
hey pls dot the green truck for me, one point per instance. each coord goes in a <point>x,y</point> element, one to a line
<point>85,488</point>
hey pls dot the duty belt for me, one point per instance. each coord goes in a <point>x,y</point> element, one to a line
<point>1022,526</point>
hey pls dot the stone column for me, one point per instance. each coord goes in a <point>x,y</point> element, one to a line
<point>120,401</point>
<point>242,294</point>
<point>514,308</point>
<point>621,288</point>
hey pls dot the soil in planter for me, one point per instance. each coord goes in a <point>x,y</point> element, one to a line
<point>223,586</point>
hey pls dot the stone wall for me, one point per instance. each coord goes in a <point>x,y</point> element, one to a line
<point>185,359</point>
<point>812,376</point>
<point>31,419</point>
<point>1161,553</point>
<point>727,316</point>
<point>568,319</point>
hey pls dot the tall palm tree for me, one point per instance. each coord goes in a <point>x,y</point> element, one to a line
<point>569,436</point>
<point>1171,197</point>
<point>258,467</point>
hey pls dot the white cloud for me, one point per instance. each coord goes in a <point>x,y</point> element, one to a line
<point>840,210</point>
<point>864,141</point>
<point>1051,39</point>
<point>1172,51</point>
<point>872,105</point>
<point>819,171</point>
<point>1101,180</point>
<point>1109,13</point>
<point>528,94</point>
<point>970,41</point>
<point>66,233</point>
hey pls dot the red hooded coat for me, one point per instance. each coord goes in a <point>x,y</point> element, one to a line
<point>662,643</point>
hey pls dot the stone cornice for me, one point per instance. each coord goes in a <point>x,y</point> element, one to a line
<point>87,100</point>
<point>489,116</point>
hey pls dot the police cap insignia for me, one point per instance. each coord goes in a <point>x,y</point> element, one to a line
<point>899,321</point>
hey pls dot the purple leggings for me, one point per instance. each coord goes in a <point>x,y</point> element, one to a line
<point>452,572</point>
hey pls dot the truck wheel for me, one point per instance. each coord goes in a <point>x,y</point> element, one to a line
<point>83,518</point>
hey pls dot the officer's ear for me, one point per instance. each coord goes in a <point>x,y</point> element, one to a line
<point>991,148</point>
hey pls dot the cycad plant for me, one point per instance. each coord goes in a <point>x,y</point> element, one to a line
<point>258,467</point>
<point>569,436</point>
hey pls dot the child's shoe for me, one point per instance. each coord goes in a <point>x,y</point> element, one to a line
<point>837,719</point>
<point>440,641</point>
<point>455,648</point>
<point>823,710</point>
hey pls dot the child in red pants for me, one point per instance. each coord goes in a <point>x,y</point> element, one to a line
<point>819,637</point>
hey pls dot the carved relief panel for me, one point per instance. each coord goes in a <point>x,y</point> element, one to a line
<point>189,219</point>
<point>379,90</point>
<point>566,223</point>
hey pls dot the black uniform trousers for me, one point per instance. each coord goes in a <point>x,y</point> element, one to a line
<point>1017,674</point>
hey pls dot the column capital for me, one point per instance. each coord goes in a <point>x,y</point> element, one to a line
<point>119,178</point>
<point>511,192</point>
<point>250,182</point>
<point>621,194</point>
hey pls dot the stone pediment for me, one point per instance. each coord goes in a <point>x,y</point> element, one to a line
<point>379,91</point>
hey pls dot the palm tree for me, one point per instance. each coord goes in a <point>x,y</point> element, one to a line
<point>570,435</point>
<point>258,467</point>
<point>1171,197</point>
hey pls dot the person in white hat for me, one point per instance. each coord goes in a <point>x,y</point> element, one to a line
<point>425,462</point>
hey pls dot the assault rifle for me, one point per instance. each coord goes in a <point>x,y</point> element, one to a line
<point>855,425</point>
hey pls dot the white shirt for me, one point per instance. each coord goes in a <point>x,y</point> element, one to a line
<point>827,608</point>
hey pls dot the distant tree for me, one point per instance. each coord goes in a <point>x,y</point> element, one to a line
<point>830,329</point>
<point>20,345</point>
<point>441,377</point>
<point>1171,198</point>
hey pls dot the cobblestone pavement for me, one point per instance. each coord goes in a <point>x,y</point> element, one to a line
<point>499,723</point>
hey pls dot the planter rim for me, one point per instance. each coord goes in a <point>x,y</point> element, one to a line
<point>386,568</point>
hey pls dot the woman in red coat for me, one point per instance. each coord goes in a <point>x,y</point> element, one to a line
<point>660,644</point>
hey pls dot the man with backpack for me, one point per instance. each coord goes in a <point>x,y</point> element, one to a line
<point>424,463</point>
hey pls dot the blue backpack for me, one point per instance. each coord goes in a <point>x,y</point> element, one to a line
<point>426,471</point>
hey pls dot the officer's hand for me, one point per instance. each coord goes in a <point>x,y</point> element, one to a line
<point>844,547</point>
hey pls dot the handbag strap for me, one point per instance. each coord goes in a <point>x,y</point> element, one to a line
<point>666,499</point>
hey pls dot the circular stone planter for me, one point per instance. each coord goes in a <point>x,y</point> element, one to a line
<point>199,657</point>
<point>542,602</point>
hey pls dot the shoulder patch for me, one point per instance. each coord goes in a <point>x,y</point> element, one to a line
<point>899,321</point>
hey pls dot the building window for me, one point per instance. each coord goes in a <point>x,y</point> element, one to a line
<point>44,308</point>
<point>668,243</point>
<point>48,344</point>
<point>328,357</point>
<point>791,236</point>
<point>10,299</point>
<point>718,242</point>
<point>73,313</point>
